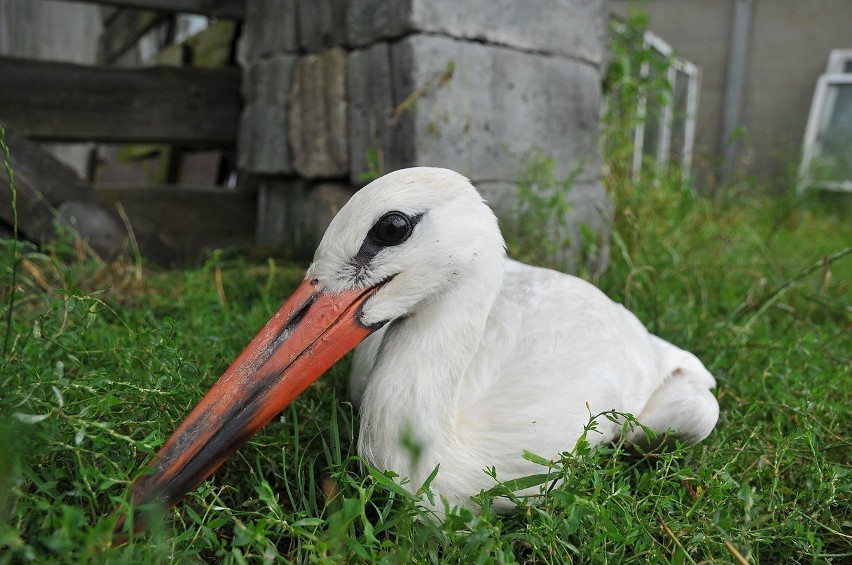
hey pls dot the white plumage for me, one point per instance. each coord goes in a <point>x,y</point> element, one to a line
<point>485,357</point>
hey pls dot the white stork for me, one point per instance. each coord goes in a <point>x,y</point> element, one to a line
<point>471,355</point>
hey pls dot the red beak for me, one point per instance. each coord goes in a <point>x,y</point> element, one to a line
<point>311,331</point>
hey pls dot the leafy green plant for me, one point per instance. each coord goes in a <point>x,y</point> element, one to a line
<point>635,87</point>
<point>541,230</point>
<point>375,165</point>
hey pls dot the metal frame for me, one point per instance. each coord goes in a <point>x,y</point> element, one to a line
<point>693,79</point>
<point>663,149</point>
<point>822,100</point>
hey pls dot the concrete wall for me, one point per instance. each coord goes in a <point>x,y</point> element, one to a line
<point>52,31</point>
<point>471,86</point>
<point>788,45</point>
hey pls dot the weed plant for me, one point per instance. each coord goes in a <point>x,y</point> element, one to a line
<point>541,232</point>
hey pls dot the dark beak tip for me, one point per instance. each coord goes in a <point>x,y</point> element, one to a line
<point>119,534</point>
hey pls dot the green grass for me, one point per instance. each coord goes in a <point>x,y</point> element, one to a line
<point>102,361</point>
<point>105,360</point>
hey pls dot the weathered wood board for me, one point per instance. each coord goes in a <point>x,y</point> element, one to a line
<point>231,9</point>
<point>64,102</point>
<point>49,192</point>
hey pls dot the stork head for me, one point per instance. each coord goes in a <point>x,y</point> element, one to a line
<point>409,234</point>
<point>399,242</point>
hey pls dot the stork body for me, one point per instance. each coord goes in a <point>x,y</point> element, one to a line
<point>535,358</point>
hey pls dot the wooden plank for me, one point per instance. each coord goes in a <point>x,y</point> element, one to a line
<point>65,102</point>
<point>123,31</point>
<point>228,9</point>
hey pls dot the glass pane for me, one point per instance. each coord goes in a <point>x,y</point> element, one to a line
<point>655,105</point>
<point>679,115</point>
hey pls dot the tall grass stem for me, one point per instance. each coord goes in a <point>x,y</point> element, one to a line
<point>7,161</point>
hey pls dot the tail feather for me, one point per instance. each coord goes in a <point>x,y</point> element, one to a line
<point>683,406</point>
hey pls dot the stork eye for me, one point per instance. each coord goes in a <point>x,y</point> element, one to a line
<point>392,229</point>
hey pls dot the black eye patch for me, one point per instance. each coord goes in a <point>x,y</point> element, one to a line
<point>391,229</point>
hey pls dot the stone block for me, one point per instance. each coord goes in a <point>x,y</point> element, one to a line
<point>322,24</point>
<point>262,146</point>
<point>178,225</point>
<point>368,21</point>
<point>323,202</point>
<point>369,88</point>
<point>501,197</point>
<point>498,105</point>
<point>293,214</point>
<point>276,198</point>
<point>588,221</point>
<point>528,25</point>
<point>269,28</point>
<point>317,116</point>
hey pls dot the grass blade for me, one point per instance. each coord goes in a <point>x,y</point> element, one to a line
<point>7,161</point>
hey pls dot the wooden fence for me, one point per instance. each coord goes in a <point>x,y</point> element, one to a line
<point>178,106</point>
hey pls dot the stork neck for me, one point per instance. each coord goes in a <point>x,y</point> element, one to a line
<point>420,369</point>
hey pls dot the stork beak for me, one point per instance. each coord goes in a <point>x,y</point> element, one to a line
<point>311,331</point>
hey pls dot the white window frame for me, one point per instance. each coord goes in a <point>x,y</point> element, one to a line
<point>837,60</point>
<point>809,148</point>
<point>663,149</point>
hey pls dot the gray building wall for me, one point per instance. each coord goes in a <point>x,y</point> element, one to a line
<point>788,44</point>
